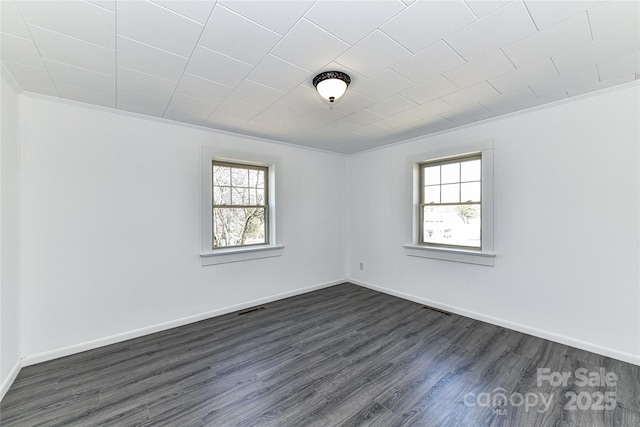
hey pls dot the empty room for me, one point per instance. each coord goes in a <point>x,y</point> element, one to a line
<point>320,213</point>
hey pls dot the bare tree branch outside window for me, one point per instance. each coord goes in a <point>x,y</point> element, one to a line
<point>240,205</point>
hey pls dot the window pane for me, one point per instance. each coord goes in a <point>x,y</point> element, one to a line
<point>450,173</point>
<point>238,226</point>
<point>432,194</point>
<point>260,200</point>
<point>470,192</point>
<point>470,171</point>
<point>431,175</point>
<point>452,225</point>
<point>221,175</point>
<point>256,179</point>
<point>450,193</point>
<point>239,196</point>
<point>239,177</point>
<point>221,195</point>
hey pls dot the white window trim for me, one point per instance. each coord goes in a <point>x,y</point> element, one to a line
<point>486,255</point>
<point>235,254</point>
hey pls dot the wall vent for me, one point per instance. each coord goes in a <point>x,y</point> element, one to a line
<point>446,313</point>
<point>250,310</point>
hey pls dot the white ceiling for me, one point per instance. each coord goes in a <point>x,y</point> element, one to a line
<point>417,67</point>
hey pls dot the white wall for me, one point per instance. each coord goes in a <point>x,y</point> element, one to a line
<point>566,225</point>
<point>112,220</point>
<point>9,238</point>
<point>111,226</point>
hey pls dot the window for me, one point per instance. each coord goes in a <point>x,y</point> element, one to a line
<point>450,202</point>
<point>240,205</point>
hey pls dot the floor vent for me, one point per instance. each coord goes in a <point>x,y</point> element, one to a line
<point>446,313</point>
<point>250,310</point>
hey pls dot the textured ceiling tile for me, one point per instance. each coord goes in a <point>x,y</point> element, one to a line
<point>180,41</point>
<point>19,50</point>
<point>72,51</point>
<point>363,117</point>
<point>398,120</point>
<point>525,104</point>
<point>562,83</point>
<point>149,60</point>
<point>217,67</point>
<point>620,67</point>
<point>202,88</point>
<point>559,38</point>
<point>600,85</point>
<point>279,74</point>
<point>516,99</point>
<point>32,79</point>
<point>373,55</point>
<point>384,85</point>
<point>308,46</point>
<point>256,93</point>
<point>466,113</point>
<point>199,10</point>
<point>429,109</point>
<point>602,50</point>
<point>282,111</point>
<point>336,16</point>
<point>429,63</point>
<point>195,106</point>
<point>507,25</point>
<point>77,19</point>
<point>483,8</point>
<point>408,61</point>
<point>239,108</point>
<point>224,121</point>
<point>526,76</point>
<point>184,116</point>
<point>548,13</point>
<point>109,5</point>
<point>74,76</point>
<point>11,21</point>
<point>613,16</point>
<point>431,89</point>
<point>323,114</point>
<point>484,68</point>
<point>392,105</point>
<point>141,102</point>
<point>421,24</point>
<point>354,102</point>
<point>83,94</point>
<point>237,37</point>
<point>278,16</point>
<point>301,97</point>
<point>145,83</point>
<point>471,95</point>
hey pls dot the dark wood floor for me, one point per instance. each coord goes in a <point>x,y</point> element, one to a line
<point>341,356</point>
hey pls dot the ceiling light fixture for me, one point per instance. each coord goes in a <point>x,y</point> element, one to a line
<point>331,85</point>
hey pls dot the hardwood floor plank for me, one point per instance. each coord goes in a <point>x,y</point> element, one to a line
<point>340,356</point>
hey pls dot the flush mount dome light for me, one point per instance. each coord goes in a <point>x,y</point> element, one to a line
<point>331,85</point>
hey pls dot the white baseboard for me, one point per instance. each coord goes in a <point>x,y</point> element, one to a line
<point>4,387</point>
<point>90,345</point>
<point>551,336</point>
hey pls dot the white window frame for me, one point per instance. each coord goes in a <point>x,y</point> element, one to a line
<point>275,247</point>
<point>485,255</point>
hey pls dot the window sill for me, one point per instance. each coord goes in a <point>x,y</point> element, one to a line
<point>455,255</point>
<point>223,256</point>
